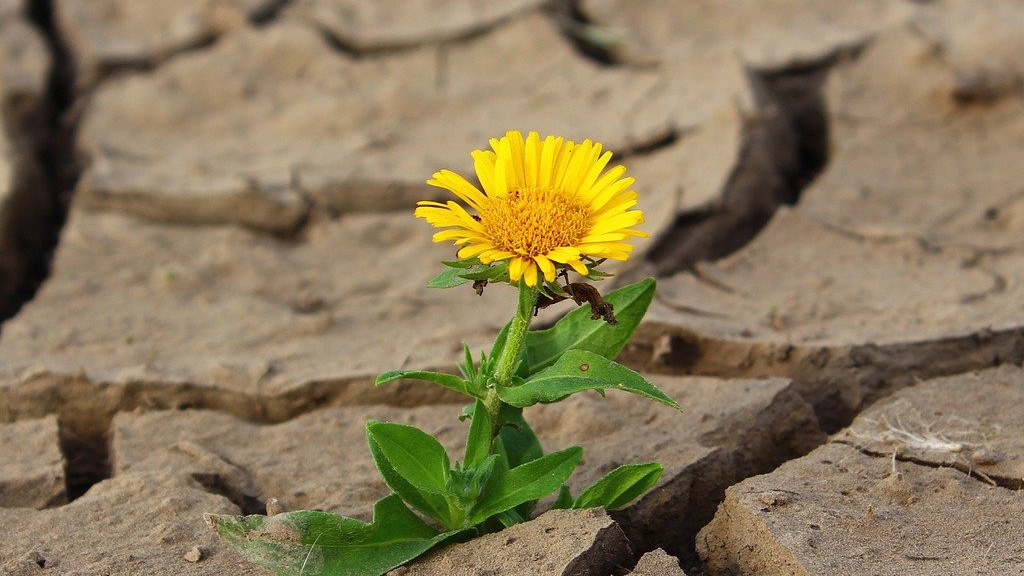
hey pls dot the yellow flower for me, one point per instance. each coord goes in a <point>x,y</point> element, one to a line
<point>545,205</point>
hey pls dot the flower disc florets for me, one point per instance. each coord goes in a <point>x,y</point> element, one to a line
<point>545,205</point>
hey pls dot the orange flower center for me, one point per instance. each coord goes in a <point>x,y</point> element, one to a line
<point>534,221</point>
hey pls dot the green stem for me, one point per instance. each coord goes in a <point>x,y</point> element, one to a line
<point>508,360</point>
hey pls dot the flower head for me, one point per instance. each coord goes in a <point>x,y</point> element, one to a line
<point>545,205</point>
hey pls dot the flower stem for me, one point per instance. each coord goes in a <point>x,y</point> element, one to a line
<point>508,360</point>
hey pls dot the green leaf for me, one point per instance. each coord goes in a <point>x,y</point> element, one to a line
<point>413,453</point>
<point>529,481</point>
<point>492,272</point>
<point>478,445</point>
<point>310,543</point>
<point>577,331</point>
<point>576,371</point>
<point>414,465</point>
<point>448,278</point>
<point>467,263</point>
<point>518,441</point>
<point>468,482</point>
<point>564,499</point>
<point>518,444</point>
<point>467,367</point>
<point>620,486</point>
<point>499,342</point>
<point>450,381</point>
<point>510,518</point>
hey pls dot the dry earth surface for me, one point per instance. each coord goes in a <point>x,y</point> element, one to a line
<point>207,253</point>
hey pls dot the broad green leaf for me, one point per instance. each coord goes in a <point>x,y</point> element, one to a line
<point>310,543</point>
<point>530,481</point>
<point>620,486</point>
<point>478,445</point>
<point>576,371</point>
<point>448,278</point>
<point>413,453</point>
<point>450,381</point>
<point>577,331</point>
<point>414,465</point>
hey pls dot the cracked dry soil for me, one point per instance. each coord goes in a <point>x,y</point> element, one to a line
<point>208,253</point>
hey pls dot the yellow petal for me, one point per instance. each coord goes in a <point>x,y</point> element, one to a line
<point>473,250</point>
<point>532,158</point>
<point>438,217</point>
<point>595,169</point>
<point>613,250</point>
<point>515,268</point>
<point>617,222</point>
<point>562,161</point>
<point>460,187</point>
<point>494,255</point>
<point>465,219</point>
<point>516,147</point>
<point>602,183</point>
<point>624,201</point>
<point>610,192</point>
<point>483,163</point>
<point>530,274</point>
<point>502,170</point>
<point>577,167</point>
<point>608,237</point>
<point>547,160</point>
<point>564,254</point>
<point>578,266</point>
<point>546,266</point>
<point>456,234</point>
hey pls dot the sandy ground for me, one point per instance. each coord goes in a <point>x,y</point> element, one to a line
<point>207,253</point>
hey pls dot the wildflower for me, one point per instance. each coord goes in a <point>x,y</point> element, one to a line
<point>545,206</point>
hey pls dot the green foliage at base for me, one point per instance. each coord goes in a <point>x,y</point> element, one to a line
<point>504,471</point>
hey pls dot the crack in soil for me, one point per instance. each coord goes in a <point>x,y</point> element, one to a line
<point>86,409</point>
<point>218,484</point>
<point>269,13</point>
<point>353,50</point>
<point>784,147</point>
<point>592,41</point>
<point>106,70</point>
<point>44,172</point>
<point>877,370</point>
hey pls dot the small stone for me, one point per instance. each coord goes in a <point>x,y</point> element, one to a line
<point>274,507</point>
<point>194,555</point>
<point>657,563</point>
